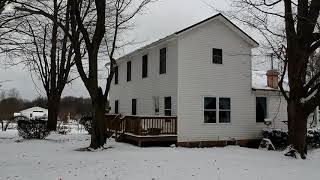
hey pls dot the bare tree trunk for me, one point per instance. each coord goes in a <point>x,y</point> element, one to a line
<point>98,134</point>
<point>297,125</point>
<point>53,109</point>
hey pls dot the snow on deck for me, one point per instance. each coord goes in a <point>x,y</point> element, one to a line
<point>56,158</point>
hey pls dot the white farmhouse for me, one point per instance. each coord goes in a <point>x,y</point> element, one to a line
<point>202,75</point>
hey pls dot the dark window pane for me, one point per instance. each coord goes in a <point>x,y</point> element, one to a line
<point>129,71</point>
<point>210,117</point>
<point>224,103</point>
<point>167,103</point>
<point>261,109</point>
<point>224,116</point>
<point>116,107</point>
<point>116,75</point>
<point>209,103</point>
<point>217,56</point>
<point>163,59</point>
<point>167,112</point>
<point>134,106</point>
<point>144,66</point>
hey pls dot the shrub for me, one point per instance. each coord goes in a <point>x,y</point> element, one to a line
<point>86,121</point>
<point>280,138</point>
<point>33,129</point>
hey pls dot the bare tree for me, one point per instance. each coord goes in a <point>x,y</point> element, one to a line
<point>48,52</point>
<point>88,23</point>
<point>291,30</point>
<point>119,13</point>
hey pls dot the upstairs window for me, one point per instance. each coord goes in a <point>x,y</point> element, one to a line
<point>217,56</point>
<point>167,106</point>
<point>116,75</point>
<point>144,66</point>
<point>129,71</point>
<point>116,106</point>
<point>261,109</point>
<point>134,106</point>
<point>163,61</point>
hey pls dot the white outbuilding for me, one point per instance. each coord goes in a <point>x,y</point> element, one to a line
<point>33,113</point>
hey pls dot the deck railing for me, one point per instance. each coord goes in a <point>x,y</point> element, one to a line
<point>143,125</point>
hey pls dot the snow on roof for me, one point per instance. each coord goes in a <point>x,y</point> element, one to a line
<point>34,109</point>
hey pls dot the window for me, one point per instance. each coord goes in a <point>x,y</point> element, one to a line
<point>224,110</point>
<point>210,110</point>
<point>156,105</point>
<point>116,107</point>
<point>261,109</point>
<point>144,66</point>
<point>217,56</point>
<point>167,106</point>
<point>116,75</point>
<point>214,114</point>
<point>134,107</point>
<point>129,71</point>
<point>163,60</point>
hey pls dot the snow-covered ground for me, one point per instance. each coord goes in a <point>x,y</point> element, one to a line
<point>57,158</point>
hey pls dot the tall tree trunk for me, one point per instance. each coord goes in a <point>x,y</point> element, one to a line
<point>98,134</point>
<point>297,126</point>
<point>53,109</point>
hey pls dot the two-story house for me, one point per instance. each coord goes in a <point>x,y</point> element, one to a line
<point>203,75</point>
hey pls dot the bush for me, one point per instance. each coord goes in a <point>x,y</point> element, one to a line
<point>86,121</point>
<point>280,138</point>
<point>33,129</point>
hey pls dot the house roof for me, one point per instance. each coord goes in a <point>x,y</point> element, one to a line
<point>219,16</point>
<point>36,108</point>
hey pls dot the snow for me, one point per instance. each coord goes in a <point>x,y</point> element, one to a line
<point>57,158</point>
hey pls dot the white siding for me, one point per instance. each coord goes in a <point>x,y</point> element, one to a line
<point>276,108</point>
<point>143,89</point>
<point>191,76</point>
<point>199,78</point>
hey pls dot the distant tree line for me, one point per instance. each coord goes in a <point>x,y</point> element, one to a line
<point>73,107</point>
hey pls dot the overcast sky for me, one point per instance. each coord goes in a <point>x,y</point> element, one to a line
<point>158,20</point>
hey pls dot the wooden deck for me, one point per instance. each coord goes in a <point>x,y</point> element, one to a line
<point>142,130</point>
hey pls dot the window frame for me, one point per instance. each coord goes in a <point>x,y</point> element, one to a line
<point>266,110</point>
<point>214,55</point>
<point>129,71</point>
<point>209,110</point>
<point>134,104</point>
<point>163,61</point>
<point>165,109</point>
<point>145,65</point>
<point>224,110</point>
<point>217,110</point>
<point>116,75</point>
<point>156,105</point>
<point>116,106</point>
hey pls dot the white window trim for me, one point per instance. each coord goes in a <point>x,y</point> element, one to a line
<point>217,111</point>
<point>164,109</point>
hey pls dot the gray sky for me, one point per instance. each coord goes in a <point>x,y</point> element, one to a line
<point>158,20</point>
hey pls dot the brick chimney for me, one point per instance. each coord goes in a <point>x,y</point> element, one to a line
<point>272,78</point>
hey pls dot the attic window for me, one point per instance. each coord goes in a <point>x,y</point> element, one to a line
<point>217,56</point>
